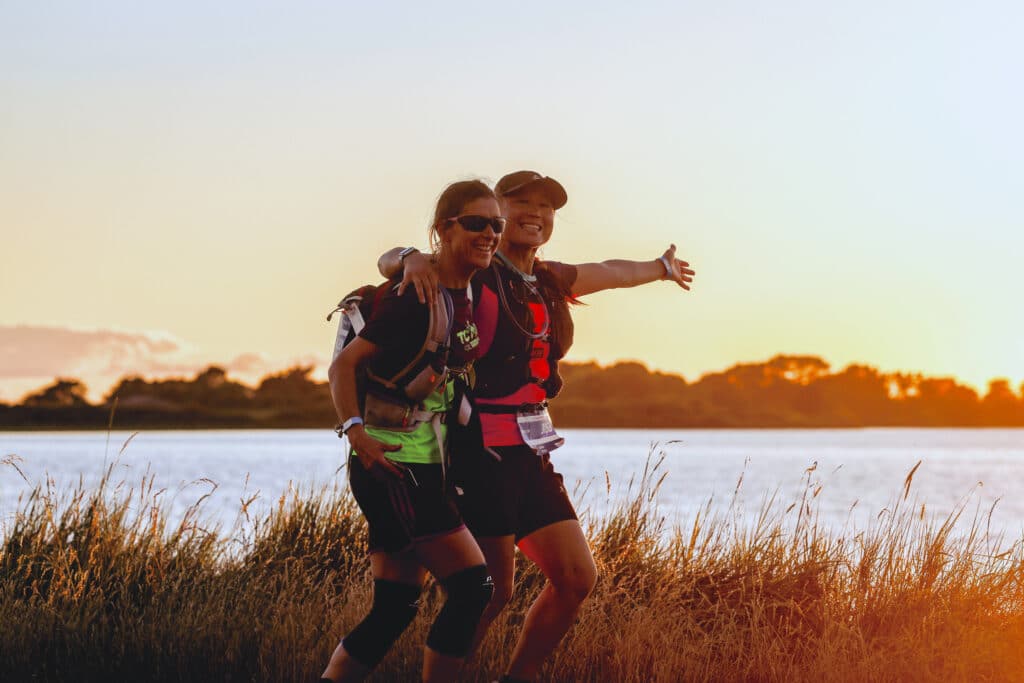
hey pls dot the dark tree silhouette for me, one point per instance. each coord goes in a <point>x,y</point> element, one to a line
<point>785,391</point>
<point>63,393</point>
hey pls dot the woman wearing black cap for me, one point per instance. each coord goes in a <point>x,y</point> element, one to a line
<point>509,493</point>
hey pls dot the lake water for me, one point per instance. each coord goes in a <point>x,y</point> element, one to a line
<point>861,471</point>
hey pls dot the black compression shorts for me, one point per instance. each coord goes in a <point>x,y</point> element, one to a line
<point>400,513</point>
<point>516,495</point>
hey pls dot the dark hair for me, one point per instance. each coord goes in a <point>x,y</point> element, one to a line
<point>451,202</point>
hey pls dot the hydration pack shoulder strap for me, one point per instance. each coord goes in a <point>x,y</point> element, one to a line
<point>418,378</point>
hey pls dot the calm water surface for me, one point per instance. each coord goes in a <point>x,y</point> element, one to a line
<point>861,472</point>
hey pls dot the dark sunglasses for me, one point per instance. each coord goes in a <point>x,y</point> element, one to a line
<point>480,223</point>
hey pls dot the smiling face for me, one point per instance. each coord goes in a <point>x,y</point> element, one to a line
<point>471,250</point>
<point>531,218</point>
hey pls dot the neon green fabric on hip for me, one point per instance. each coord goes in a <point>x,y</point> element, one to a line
<point>420,445</point>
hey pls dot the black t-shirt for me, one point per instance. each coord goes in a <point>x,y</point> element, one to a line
<point>398,325</point>
<point>465,340</point>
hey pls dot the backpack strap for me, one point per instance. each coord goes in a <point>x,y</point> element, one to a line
<point>435,343</point>
<point>351,321</point>
<point>355,317</point>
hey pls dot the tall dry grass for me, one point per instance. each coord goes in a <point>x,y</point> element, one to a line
<point>96,585</point>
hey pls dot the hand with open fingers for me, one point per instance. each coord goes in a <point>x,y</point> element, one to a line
<point>419,271</point>
<point>677,270</point>
<point>372,454</point>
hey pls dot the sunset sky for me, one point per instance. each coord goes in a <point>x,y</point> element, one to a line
<point>200,182</point>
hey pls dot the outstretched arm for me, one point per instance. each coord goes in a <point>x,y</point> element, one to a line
<point>418,271</point>
<point>618,273</point>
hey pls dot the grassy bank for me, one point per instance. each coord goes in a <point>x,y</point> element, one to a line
<point>96,585</point>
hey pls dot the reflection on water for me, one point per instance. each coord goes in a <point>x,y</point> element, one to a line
<point>860,471</point>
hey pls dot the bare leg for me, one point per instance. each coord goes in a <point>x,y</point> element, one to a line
<point>344,669</point>
<point>500,552</point>
<point>439,667</point>
<point>562,553</point>
<point>399,567</point>
<point>443,557</point>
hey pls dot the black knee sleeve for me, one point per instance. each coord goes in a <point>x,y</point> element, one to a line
<point>469,591</point>
<point>394,608</point>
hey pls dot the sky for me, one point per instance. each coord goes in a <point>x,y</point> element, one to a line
<point>190,183</point>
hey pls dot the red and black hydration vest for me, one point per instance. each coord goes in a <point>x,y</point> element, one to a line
<point>506,308</point>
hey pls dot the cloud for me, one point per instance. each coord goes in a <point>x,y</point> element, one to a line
<point>28,351</point>
<point>252,367</point>
<point>32,356</point>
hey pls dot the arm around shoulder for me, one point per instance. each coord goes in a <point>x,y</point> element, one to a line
<point>416,269</point>
<point>390,262</point>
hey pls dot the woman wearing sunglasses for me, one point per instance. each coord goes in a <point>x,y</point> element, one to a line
<point>510,493</point>
<point>397,435</point>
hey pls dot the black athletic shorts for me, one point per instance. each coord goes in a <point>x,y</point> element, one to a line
<point>400,513</point>
<point>516,495</point>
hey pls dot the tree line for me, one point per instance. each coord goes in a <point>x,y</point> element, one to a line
<point>785,391</point>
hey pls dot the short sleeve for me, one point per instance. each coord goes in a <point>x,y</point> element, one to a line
<point>397,323</point>
<point>563,272</point>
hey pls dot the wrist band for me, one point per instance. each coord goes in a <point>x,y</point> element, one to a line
<point>408,251</point>
<point>348,424</point>
<point>668,267</point>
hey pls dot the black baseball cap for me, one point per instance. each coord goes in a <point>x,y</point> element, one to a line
<point>520,180</point>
